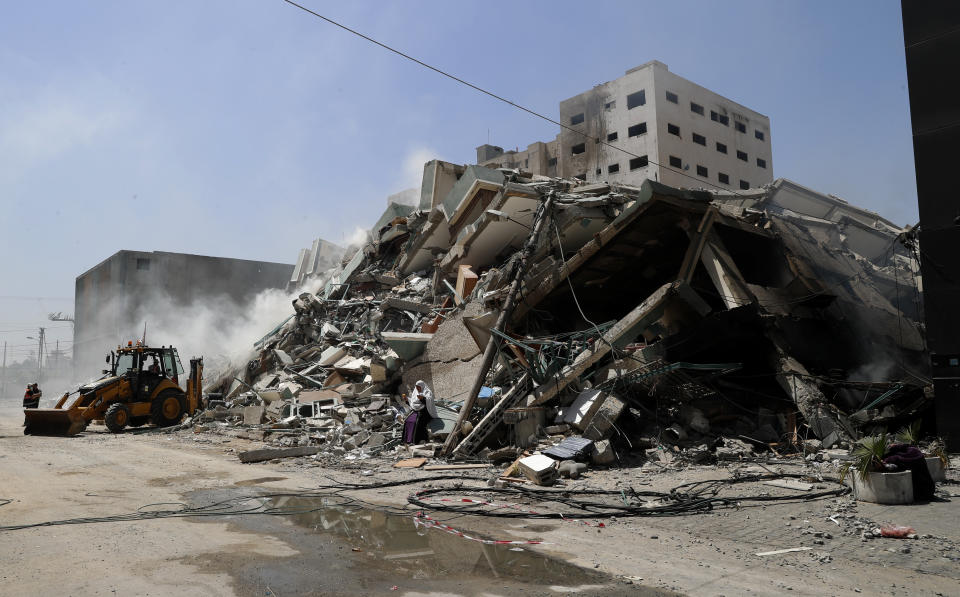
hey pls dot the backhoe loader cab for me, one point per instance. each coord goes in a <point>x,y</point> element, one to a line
<point>141,386</point>
<point>145,366</point>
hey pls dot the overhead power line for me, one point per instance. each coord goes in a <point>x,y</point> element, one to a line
<point>534,113</point>
<point>503,99</point>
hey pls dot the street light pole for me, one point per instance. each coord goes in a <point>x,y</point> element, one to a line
<point>39,340</point>
<point>40,357</point>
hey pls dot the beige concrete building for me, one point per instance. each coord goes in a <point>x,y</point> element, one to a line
<point>539,157</point>
<point>651,123</point>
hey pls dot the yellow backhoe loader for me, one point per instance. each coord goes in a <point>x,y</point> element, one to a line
<point>141,386</point>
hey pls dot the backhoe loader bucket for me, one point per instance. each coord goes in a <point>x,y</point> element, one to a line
<point>53,421</point>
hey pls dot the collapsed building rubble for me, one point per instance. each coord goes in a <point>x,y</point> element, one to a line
<point>598,323</point>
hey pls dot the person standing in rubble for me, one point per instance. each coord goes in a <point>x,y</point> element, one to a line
<point>424,410</point>
<point>31,398</point>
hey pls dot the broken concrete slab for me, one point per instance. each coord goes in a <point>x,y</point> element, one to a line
<point>583,408</point>
<point>283,357</point>
<point>273,453</point>
<point>332,355</point>
<point>600,425</point>
<point>253,415</point>
<point>603,453</point>
<point>407,345</point>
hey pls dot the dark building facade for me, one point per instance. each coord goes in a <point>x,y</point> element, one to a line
<point>114,299</point>
<point>931,35</point>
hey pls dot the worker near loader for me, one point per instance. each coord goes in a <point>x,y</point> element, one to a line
<point>31,398</point>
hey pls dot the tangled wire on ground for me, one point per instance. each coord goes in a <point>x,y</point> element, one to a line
<point>688,498</point>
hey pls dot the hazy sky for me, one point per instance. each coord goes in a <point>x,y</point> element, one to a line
<point>246,128</point>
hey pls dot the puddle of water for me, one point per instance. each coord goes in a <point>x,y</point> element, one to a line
<point>349,550</point>
<point>417,552</point>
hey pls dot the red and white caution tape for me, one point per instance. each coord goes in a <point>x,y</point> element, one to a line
<point>422,519</point>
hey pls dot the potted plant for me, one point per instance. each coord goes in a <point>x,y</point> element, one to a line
<point>869,481</point>
<point>935,451</point>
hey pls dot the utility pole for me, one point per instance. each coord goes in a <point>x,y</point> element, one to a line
<point>60,316</point>
<point>40,356</point>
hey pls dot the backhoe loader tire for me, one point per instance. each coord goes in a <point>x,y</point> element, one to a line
<point>117,417</point>
<point>139,421</point>
<point>168,408</point>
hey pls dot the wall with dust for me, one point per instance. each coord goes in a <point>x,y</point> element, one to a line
<point>200,304</point>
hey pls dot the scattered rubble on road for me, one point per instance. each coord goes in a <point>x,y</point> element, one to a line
<point>564,325</point>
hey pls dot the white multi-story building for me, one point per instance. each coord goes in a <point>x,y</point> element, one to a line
<point>671,130</point>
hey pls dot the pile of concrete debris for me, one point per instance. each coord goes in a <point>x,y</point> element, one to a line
<point>597,322</point>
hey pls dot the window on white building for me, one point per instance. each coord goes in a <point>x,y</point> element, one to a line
<point>636,99</point>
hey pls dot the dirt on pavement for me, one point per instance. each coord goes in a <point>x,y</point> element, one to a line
<point>102,474</point>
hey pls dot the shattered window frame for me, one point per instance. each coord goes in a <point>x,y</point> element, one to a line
<point>673,129</point>
<point>673,97</point>
<point>613,168</point>
<point>551,162</point>
<point>762,163</point>
<point>639,162</point>
<point>637,130</point>
<point>576,119</point>
<point>722,148</point>
<point>723,178</point>
<point>578,149</point>
<point>612,136</point>
<point>143,264</point>
<point>721,118</point>
<point>702,171</point>
<point>742,156</point>
<point>696,108</point>
<point>636,99</point>
<point>699,139</point>
<point>740,127</point>
<point>675,162</point>
<point>744,185</point>
<point>610,105</point>
<point>759,135</point>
